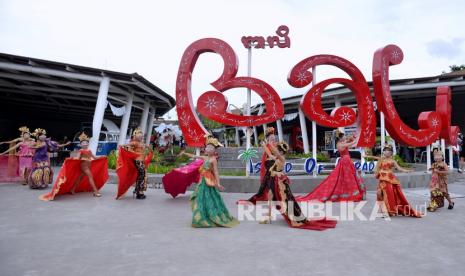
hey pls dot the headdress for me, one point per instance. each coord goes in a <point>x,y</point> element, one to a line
<point>283,146</point>
<point>83,137</point>
<point>269,130</point>
<point>339,133</point>
<point>39,131</point>
<point>24,129</point>
<point>388,147</point>
<point>137,131</point>
<point>438,152</point>
<point>211,140</point>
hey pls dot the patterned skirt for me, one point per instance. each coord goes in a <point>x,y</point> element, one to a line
<point>41,175</point>
<point>208,209</point>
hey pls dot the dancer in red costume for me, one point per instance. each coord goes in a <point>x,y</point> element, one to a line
<point>84,173</point>
<point>267,162</point>
<point>133,160</point>
<point>284,198</point>
<point>342,184</point>
<point>389,194</point>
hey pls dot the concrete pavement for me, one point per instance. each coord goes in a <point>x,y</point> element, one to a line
<point>84,235</point>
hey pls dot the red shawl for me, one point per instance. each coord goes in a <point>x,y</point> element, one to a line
<point>176,181</point>
<point>71,171</point>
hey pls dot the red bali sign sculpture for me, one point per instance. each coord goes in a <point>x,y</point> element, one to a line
<point>213,104</point>
<point>341,116</point>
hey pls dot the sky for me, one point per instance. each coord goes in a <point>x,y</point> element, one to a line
<point>149,37</point>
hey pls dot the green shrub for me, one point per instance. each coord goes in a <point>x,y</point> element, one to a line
<point>319,157</point>
<point>112,157</point>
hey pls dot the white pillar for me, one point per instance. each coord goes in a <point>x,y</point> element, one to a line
<point>428,157</point>
<point>303,129</point>
<point>145,115</point>
<point>314,138</point>
<point>451,158</point>
<point>150,126</point>
<point>280,129</point>
<point>125,120</point>
<point>383,130</point>
<point>238,142</point>
<point>314,149</point>
<point>249,97</point>
<point>99,113</point>
<point>255,134</point>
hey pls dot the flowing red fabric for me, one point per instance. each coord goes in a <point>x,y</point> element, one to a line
<point>341,185</point>
<point>9,168</point>
<point>284,195</point>
<point>177,180</point>
<point>396,202</point>
<point>70,173</point>
<point>126,169</point>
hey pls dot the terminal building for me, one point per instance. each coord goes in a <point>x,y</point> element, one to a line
<point>65,98</point>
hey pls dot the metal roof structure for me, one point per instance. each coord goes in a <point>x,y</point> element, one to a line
<point>70,91</point>
<point>64,97</point>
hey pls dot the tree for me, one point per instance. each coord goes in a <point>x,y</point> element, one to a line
<point>454,68</point>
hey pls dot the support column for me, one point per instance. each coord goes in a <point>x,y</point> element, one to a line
<point>255,134</point>
<point>428,158</point>
<point>145,115</point>
<point>238,142</point>
<point>303,129</point>
<point>150,126</point>
<point>249,100</point>
<point>383,130</point>
<point>314,138</point>
<point>125,120</point>
<point>314,149</point>
<point>280,130</point>
<point>99,113</point>
<point>451,158</point>
<point>443,147</point>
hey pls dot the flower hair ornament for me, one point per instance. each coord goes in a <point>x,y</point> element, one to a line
<point>24,129</point>
<point>137,131</point>
<point>39,131</point>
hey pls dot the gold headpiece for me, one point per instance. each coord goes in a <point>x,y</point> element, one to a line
<point>24,129</point>
<point>39,131</point>
<point>269,130</point>
<point>137,131</point>
<point>339,133</point>
<point>387,147</point>
<point>211,140</point>
<point>83,137</point>
<point>283,146</point>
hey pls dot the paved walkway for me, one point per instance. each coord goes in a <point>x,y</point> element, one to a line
<point>83,235</point>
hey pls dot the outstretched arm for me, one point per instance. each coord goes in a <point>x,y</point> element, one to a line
<point>373,157</point>
<point>190,155</point>
<point>401,169</point>
<point>11,149</point>
<point>63,145</point>
<point>12,141</point>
